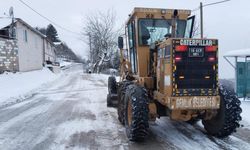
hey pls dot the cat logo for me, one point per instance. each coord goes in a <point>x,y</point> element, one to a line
<point>195,42</point>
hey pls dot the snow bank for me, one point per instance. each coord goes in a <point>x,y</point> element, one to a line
<point>14,86</point>
<point>245,105</point>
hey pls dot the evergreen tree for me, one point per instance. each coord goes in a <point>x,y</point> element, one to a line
<point>42,30</point>
<point>63,51</point>
<point>51,33</point>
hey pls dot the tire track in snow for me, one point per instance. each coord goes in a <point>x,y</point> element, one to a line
<point>72,114</point>
<point>38,115</point>
<point>185,137</point>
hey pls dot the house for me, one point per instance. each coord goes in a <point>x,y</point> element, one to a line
<point>49,52</point>
<point>29,45</point>
<point>23,48</point>
<point>241,64</point>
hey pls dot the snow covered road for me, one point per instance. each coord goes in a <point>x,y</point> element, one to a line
<point>71,113</point>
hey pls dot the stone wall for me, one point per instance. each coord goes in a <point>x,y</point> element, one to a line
<point>8,55</point>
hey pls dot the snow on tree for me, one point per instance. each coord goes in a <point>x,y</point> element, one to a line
<point>99,28</point>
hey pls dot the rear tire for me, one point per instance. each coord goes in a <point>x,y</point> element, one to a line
<point>136,113</point>
<point>228,117</point>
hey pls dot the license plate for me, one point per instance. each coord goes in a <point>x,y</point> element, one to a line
<point>196,52</point>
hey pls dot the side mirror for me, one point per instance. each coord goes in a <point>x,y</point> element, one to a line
<point>120,42</point>
<point>152,47</point>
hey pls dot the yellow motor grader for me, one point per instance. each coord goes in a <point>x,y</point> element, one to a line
<point>166,72</point>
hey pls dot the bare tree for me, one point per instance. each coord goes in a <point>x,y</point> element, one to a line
<point>99,29</point>
<point>196,29</point>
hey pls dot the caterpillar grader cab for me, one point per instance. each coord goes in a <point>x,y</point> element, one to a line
<point>166,72</point>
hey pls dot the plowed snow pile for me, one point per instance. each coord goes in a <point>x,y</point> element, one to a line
<point>18,85</point>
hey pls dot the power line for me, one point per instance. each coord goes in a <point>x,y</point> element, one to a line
<point>46,18</point>
<point>201,12</point>
<point>210,4</point>
<point>216,3</point>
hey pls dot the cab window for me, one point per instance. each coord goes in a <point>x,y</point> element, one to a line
<point>189,27</point>
<point>132,47</point>
<point>152,30</point>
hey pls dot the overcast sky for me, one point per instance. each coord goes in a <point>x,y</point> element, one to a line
<point>229,22</point>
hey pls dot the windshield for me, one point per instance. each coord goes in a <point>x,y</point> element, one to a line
<point>151,30</point>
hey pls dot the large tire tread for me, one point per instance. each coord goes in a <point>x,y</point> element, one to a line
<point>231,111</point>
<point>121,100</point>
<point>112,85</point>
<point>138,130</point>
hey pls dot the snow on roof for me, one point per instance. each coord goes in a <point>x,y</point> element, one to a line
<point>238,53</point>
<point>4,22</point>
<point>57,43</point>
<point>30,27</point>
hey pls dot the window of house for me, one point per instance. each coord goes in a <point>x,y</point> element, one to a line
<point>25,36</point>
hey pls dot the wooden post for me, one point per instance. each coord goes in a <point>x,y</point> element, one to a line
<point>201,18</point>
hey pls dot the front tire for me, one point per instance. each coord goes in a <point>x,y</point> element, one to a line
<point>112,92</point>
<point>136,113</point>
<point>228,116</point>
<point>109,101</point>
<point>121,100</point>
<point>112,85</point>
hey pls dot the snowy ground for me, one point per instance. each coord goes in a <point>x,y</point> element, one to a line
<point>17,86</point>
<point>245,105</point>
<point>65,63</point>
<point>71,113</point>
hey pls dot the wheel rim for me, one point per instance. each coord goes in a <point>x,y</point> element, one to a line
<point>129,112</point>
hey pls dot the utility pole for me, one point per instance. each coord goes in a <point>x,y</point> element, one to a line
<point>201,12</point>
<point>201,18</point>
<point>12,29</point>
